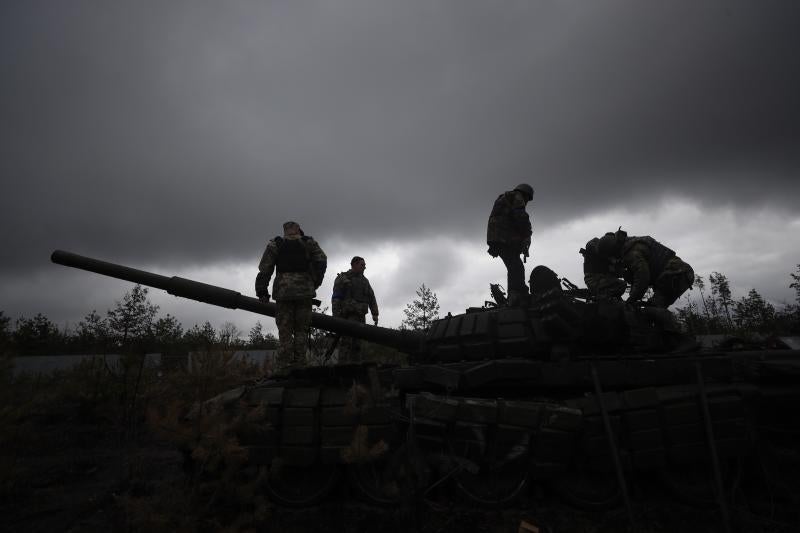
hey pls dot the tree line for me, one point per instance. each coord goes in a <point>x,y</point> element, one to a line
<point>717,312</point>
<point>133,324</point>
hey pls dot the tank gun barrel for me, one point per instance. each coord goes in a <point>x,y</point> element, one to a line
<point>404,341</point>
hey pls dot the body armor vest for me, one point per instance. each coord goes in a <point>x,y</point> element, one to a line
<point>358,289</point>
<point>292,256</point>
<point>501,207</point>
<point>593,262</point>
<point>502,227</point>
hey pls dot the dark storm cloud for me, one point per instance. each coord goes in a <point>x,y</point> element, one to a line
<point>187,132</point>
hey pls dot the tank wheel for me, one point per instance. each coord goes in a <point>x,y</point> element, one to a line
<point>300,486</point>
<point>774,475</point>
<point>591,491</point>
<point>487,472</point>
<point>694,484</point>
<point>391,480</point>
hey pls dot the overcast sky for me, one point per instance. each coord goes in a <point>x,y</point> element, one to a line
<point>177,137</point>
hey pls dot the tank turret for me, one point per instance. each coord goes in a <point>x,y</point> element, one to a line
<point>554,325</point>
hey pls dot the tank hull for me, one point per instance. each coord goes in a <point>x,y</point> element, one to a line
<point>585,398</point>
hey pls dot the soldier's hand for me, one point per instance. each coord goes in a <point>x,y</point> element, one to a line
<point>494,250</point>
<point>375,319</point>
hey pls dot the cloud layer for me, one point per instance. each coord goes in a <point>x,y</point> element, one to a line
<point>182,135</point>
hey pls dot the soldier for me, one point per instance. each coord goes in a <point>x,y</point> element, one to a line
<point>301,265</point>
<point>508,235</point>
<point>352,297</point>
<point>601,274</point>
<point>647,263</point>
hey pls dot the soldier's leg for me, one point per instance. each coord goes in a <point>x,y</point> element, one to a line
<point>355,353</point>
<point>346,352</point>
<point>517,290</point>
<point>676,279</point>
<point>611,287</point>
<point>604,286</point>
<point>284,319</point>
<point>302,325</point>
<point>343,350</point>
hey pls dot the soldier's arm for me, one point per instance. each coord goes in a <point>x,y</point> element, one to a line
<point>636,263</point>
<point>519,215</point>
<point>339,294</point>
<point>265,269</point>
<point>319,261</point>
<point>373,303</point>
<point>592,281</point>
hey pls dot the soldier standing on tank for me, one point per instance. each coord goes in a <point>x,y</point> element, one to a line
<point>352,298</point>
<point>508,235</point>
<point>645,262</point>
<point>300,265</point>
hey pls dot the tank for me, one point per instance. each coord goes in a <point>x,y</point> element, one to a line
<point>583,398</point>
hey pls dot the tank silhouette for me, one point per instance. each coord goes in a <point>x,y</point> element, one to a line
<point>577,395</point>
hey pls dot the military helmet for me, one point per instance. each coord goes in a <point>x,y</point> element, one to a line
<point>290,227</point>
<point>525,189</point>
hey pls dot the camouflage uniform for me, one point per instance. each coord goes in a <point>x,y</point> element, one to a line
<point>352,297</point>
<point>300,265</point>
<point>647,263</point>
<point>601,274</point>
<point>508,235</point>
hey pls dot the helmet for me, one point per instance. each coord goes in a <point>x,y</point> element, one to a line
<point>525,189</point>
<point>292,227</point>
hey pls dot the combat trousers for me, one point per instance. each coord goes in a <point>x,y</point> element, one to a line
<point>350,347</point>
<point>676,279</point>
<point>605,286</point>
<point>293,318</point>
<point>517,289</point>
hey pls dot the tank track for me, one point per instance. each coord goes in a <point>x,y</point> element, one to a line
<point>320,430</point>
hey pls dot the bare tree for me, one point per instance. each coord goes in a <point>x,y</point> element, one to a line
<point>229,335</point>
<point>721,289</point>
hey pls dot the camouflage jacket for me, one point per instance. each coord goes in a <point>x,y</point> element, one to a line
<point>509,223</point>
<point>644,259</point>
<point>353,295</point>
<point>301,266</point>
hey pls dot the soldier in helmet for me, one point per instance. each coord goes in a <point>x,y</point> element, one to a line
<point>645,262</point>
<point>602,273</point>
<point>301,264</point>
<point>352,298</point>
<point>508,235</point>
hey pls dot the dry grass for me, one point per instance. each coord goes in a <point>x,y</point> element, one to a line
<point>136,413</point>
